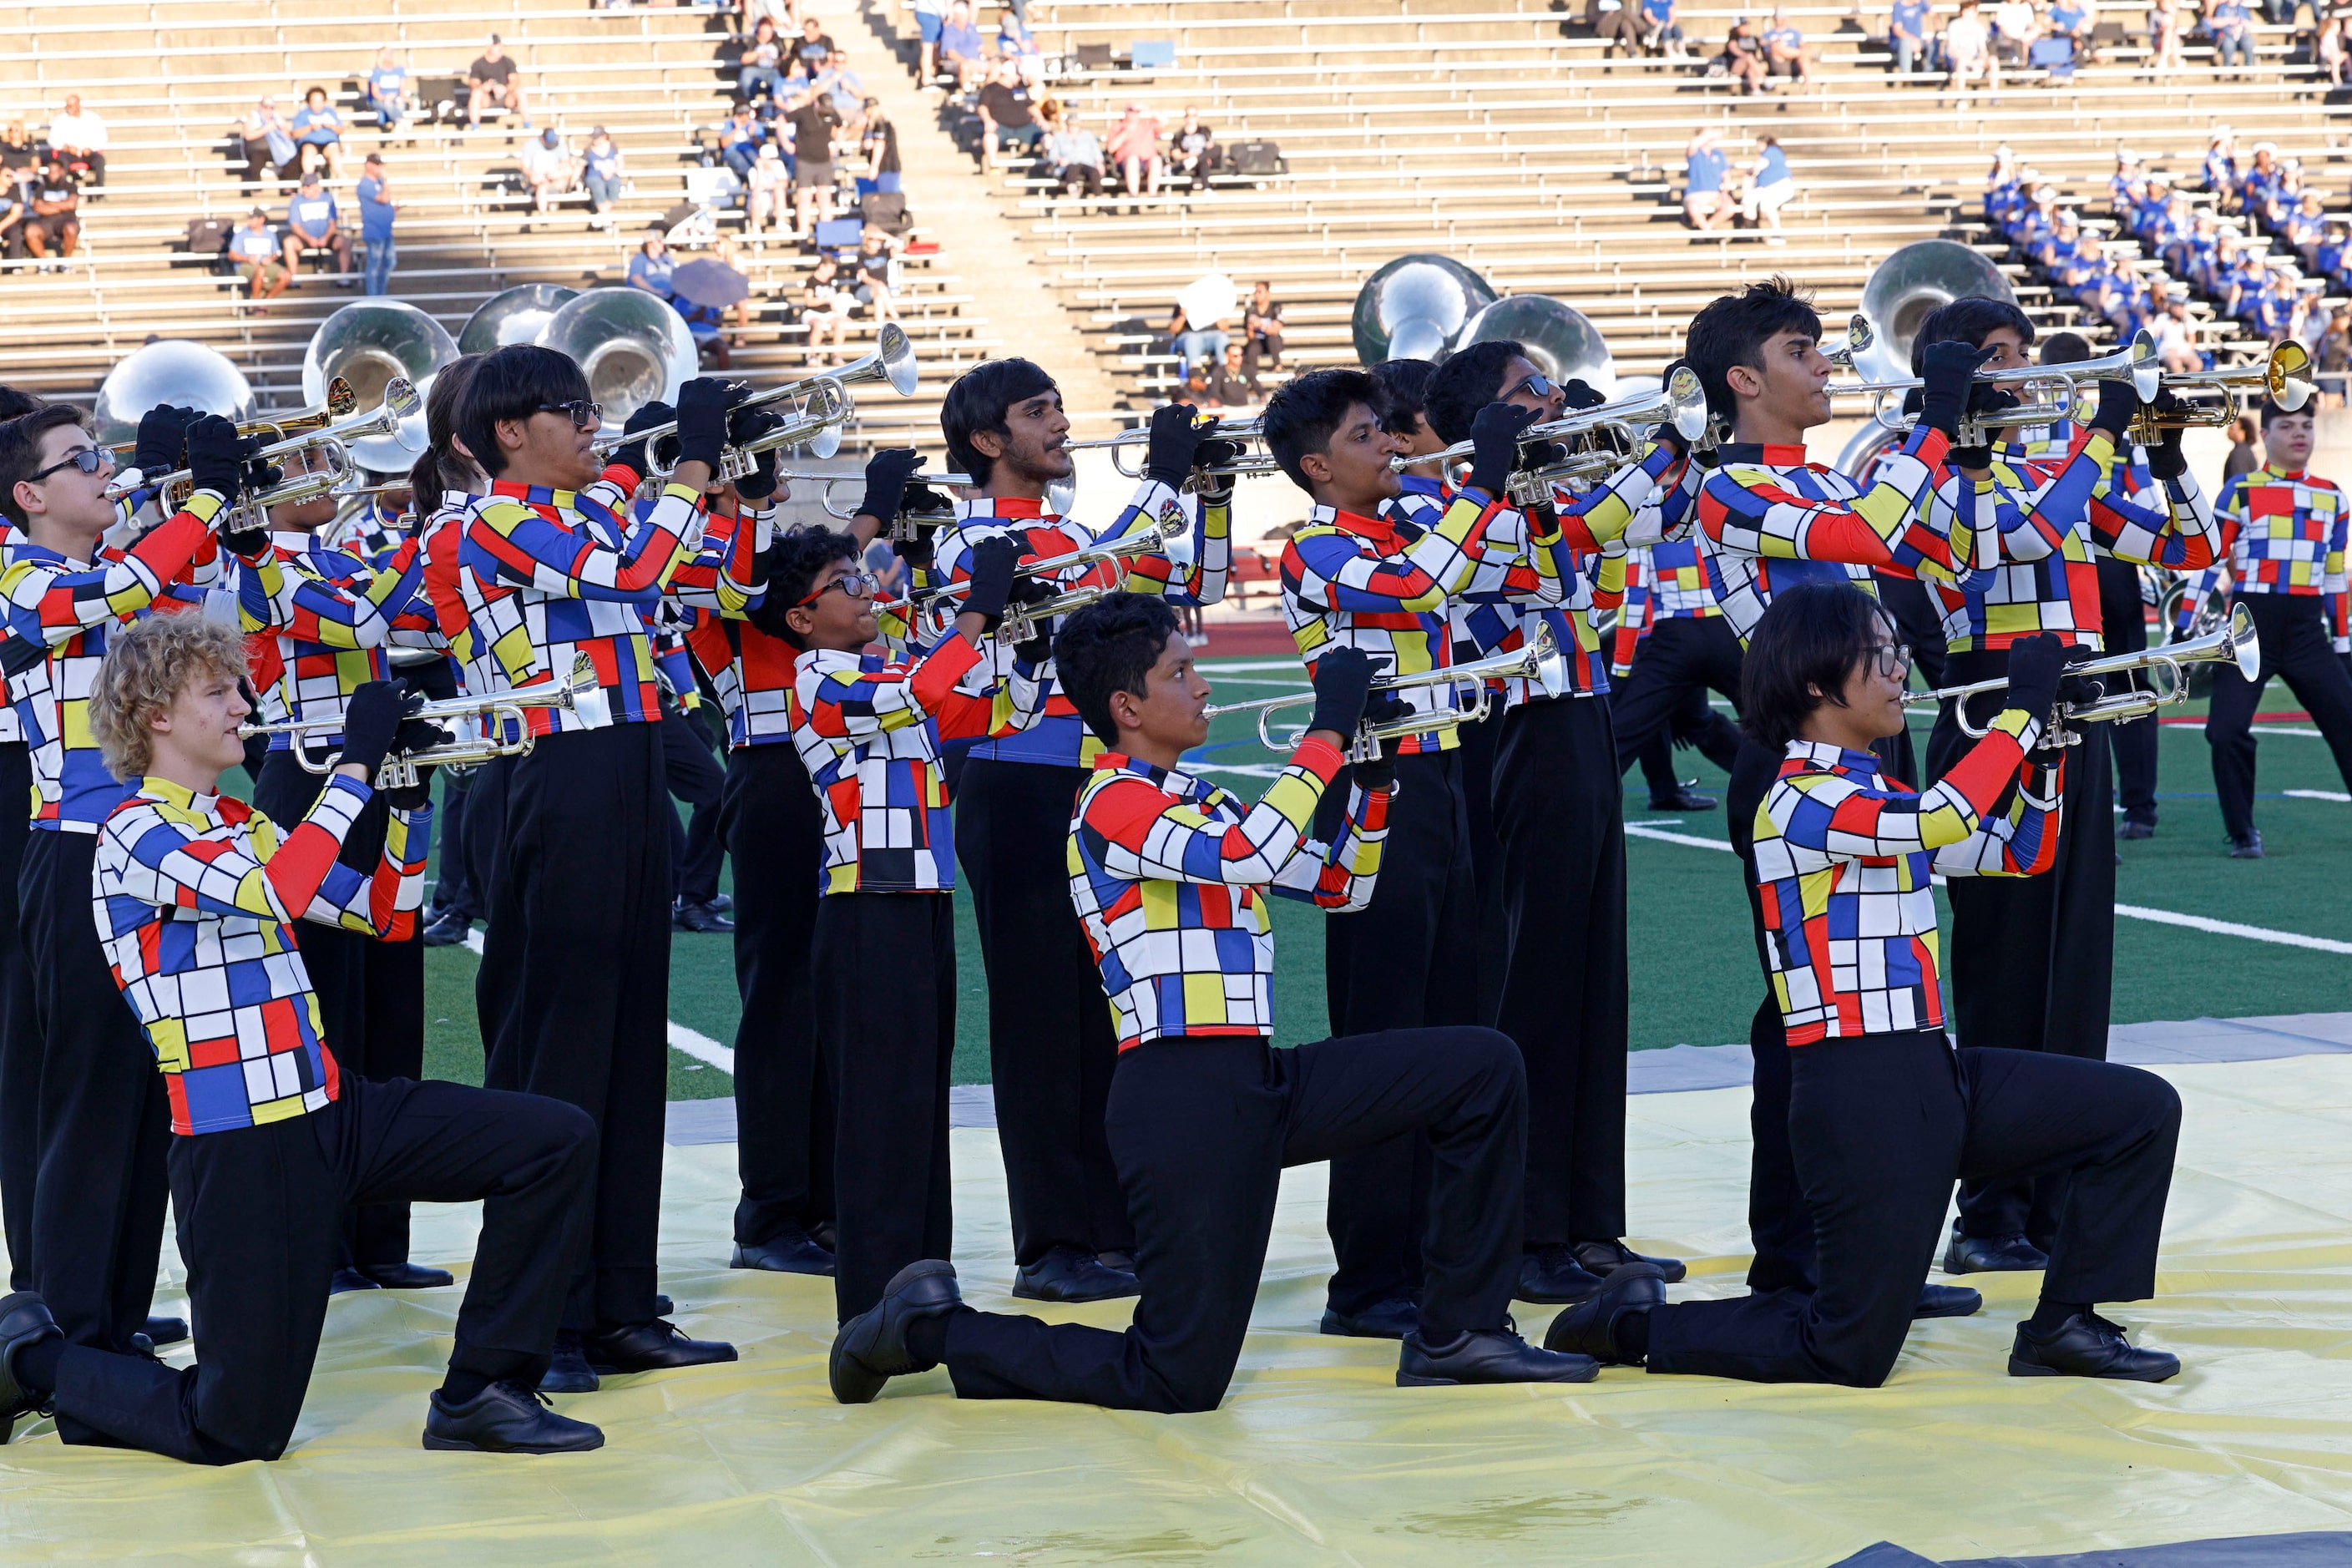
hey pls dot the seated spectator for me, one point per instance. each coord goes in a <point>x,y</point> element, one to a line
<point>2334,357</point>
<point>2175,335</point>
<point>814,122</point>
<point>739,141</point>
<point>2014,28</point>
<point>254,251</point>
<point>1784,48</point>
<point>1134,150</point>
<point>768,201</point>
<point>1968,54</point>
<point>1016,43</point>
<point>20,157</point>
<point>847,90</point>
<point>1769,187</point>
<point>1662,34</point>
<point>727,253</point>
<point>13,210</point>
<point>880,146</point>
<point>1007,124</point>
<point>2306,226</point>
<point>651,267</point>
<point>824,309</point>
<point>2331,51</point>
<point>960,47</point>
<point>1703,167</point>
<point>1262,326</point>
<point>78,140</point>
<point>1195,390</point>
<point>2166,30</point>
<point>759,69</point>
<point>1906,34</point>
<point>2231,26</point>
<point>55,223</point>
<point>493,81</point>
<point>1195,344</point>
<point>319,135</point>
<point>1192,154</point>
<point>2072,20</point>
<point>1614,23</point>
<point>874,273</point>
<point>1233,384</point>
<point>1743,57</point>
<point>601,171</point>
<point>2262,185</point>
<point>813,47</point>
<point>547,169</point>
<point>268,141</point>
<point>1074,156</point>
<point>313,223</point>
<point>2129,185</point>
<point>384,93</point>
<point>784,16</point>
<point>2221,169</point>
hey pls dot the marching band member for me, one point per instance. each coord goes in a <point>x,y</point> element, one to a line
<point>20,1032</point>
<point>1672,647</point>
<point>1558,812</point>
<point>1172,877</point>
<point>2283,538</point>
<point>1882,1113</point>
<point>576,962</point>
<point>1050,1041</point>
<point>196,897</point>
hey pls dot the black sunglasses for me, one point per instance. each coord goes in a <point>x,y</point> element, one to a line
<point>583,412</point>
<point>1536,385</point>
<point>89,459</point>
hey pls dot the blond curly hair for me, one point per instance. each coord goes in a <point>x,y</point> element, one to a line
<point>148,664</point>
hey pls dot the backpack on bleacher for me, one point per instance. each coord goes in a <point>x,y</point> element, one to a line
<point>884,210</point>
<point>1256,159</point>
<point>207,242</point>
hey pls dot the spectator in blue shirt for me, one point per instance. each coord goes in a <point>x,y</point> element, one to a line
<point>759,67</point>
<point>1769,187</point>
<point>601,172</point>
<point>2306,226</point>
<point>1906,34</point>
<point>319,132</point>
<point>847,90</point>
<point>313,223</point>
<point>1661,34</point>
<point>739,141</point>
<point>385,91</point>
<point>1784,48</point>
<point>960,47</point>
<point>376,208</point>
<point>254,251</point>
<point>2232,31</point>
<point>650,267</point>
<point>1703,202</point>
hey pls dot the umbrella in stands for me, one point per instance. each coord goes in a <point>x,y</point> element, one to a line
<point>708,282</point>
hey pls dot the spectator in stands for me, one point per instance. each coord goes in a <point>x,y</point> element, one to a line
<point>1615,24</point>
<point>758,72</point>
<point>1769,187</point>
<point>2072,20</point>
<point>78,140</point>
<point>1662,34</point>
<point>768,202</point>
<point>254,251</point>
<point>1195,390</point>
<point>1007,123</point>
<point>601,171</point>
<point>384,93</point>
<point>1968,53</point>
<point>376,210</point>
<point>268,142</point>
<point>1907,35</point>
<point>740,137</point>
<point>874,274</point>
<point>2241,458</point>
<point>1703,167</point>
<point>1232,384</point>
<point>548,168</point>
<point>1075,155</point>
<point>784,16</point>
<point>2014,28</point>
<point>824,309</point>
<point>847,90</point>
<point>2330,51</point>
<point>814,122</point>
<point>1193,344</point>
<point>2221,169</point>
<point>493,81</point>
<point>1743,56</point>
<point>2261,187</point>
<point>314,223</point>
<point>54,224</point>
<point>319,135</point>
<point>20,157</point>
<point>1784,48</point>
<point>2166,31</point>
<point>2306,226</point>
<point>2175,335</point>
<point>1192,154</point>
<point>813,47</point>
<point>1262,326</point>
<point>651,267</point>
<point>2233,34</point>
<point>880,146</point>
<point>1016,43</point>
<point>1135,151</point>
<point>960,45</point>
<point>2334,357</point>
<point>930,22</point>
<point>14,208</point>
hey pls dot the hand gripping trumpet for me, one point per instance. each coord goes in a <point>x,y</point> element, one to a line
<point>489,726</point>
<point>2052,392</point>
<point>1680,403</point>
<point>2283,376</point>
<point>900,527</point>
<point>2234,644</point>
<point>400,401</point>
<point>1021,621</point>
<point>340,402</point>
<point>1130,448</point>
<point>820,406</point>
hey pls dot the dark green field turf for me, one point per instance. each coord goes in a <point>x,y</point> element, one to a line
<point>1694,965</point>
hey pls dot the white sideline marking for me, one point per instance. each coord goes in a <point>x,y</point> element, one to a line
<point>693,1042</point>
<point>1219,666</point>
<point>2315,794</point>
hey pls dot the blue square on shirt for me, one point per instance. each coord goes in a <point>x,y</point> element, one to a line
<point>569,620</point>
<point>217,1094</point>
<point>1236,951</point>
<point>248,979</point>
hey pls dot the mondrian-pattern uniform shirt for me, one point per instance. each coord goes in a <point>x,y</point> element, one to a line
<point>12,727</point>
<point>439,540</point>
<point>2283,532</point>
<point>1171,876</point>
<point>550,576</point>
<point>59,614</point>
<point>196,897</point>
<point>1770,516</point>
<point>1059,738</point>
<point>1664,581</point>
<point>336,619</point>
<point>752,672</point>
<point>1844,862</point>
<point>869,733</point>
<point>1599,529</point>
<point>1519,565</point>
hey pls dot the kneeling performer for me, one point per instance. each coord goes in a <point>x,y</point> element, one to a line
<point>1882,1114</point>
<point>1171,876</point>
<point>196,898</point>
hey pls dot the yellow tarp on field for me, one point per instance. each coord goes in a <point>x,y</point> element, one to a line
<point>1316,1457</point>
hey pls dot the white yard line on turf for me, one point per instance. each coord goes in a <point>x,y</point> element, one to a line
<point>2315,794</point>
<point>693,1042</point>
<point>1219,666</point>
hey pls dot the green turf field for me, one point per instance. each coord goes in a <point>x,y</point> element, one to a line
<point>1694,966</point>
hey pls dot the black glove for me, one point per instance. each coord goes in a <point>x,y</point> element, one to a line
<point>250,543</point>
<point>994,562</point>
<point>2035,663</point>
<point>915,549</point>
<point>1214,454</point>
<point>1671,438</point>
<point>1949,370</point>
<point>2165,460</point>
<point>1380,772</point>
<point>163,436</point>
<point>632,455</point>
<point>215,454</point>
<point>1988,402</point>
<point>886,474</point>
<point>1033,650</point>
<point>415,735</point>
<point>747,427</point>
<point>1580,395</point>
<point>2118,402</point>
<point>372,722</point>
<point>1967,458</point>
<point>1175,444</point>
<point>2080,688</point>
<point>703,404</point>
<point>1343,686</point>
<point>1495,453</point>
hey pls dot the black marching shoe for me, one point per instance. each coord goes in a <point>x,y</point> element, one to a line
<point>448,929</point>
<point>871,1347</point>
<point>1992,1254</point>
<point>2250,847</point>
<point>23,1320</point>
<point>2087,1345</point>
<point>1685,798</point>
<point>664,1308</point>
<point>1487,1355</point>
<point>1605,1258</point>
<point>408,1276</point>
<point>1072,1274</point>
<point>1947,1301</point>
<point>2127,829</point>
<point>162,1331</point>
<point>506,1418</point>
<point>656,1346</point>
<point>347,1280</point>
<point>699,918</point>
<point>1552,1275</point>
<point>567,1369</point>
<point>790,1251</point>
<point>1383,1320</point>
<point>1586,1330</point>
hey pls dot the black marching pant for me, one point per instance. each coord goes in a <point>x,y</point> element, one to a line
<point>1203,1127</point>
<point>453,888</point>
<point>696,778</point>
<point>580,929</point>
<point>2123,628</point>
<point>20,1029</point>
<point>1779,1228</point>
<point>2294,646</point>
<point>1407,960</point>
<point>1051,1044</point>
<point>2033,958</point>
<point>259,1212</point>
<point>885,1007</point>
<point>485,850</point>
<point>1881,1125</point>
<point>1557,805</point>
<point>783,1094</point>
<point>1680,660</point>
<point>105,1122</point>
<point>1479,743</point>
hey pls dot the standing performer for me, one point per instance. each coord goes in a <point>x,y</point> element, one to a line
<point>20,1031</point>
<point>197,897</point>
<point>1171,876</point>
<point>2283,532</point>
<point>1050,1041</point>
<point>1672,647</point>
<point>1882,1113</point>
<point>580,904</point>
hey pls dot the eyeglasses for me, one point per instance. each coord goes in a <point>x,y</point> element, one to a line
<point>1890,658</point>
<point>89,459</point>
<point>857,585</point>
<point>583,412</point>
<point>1534,386</point>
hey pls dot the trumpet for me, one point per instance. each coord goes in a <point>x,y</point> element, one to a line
<point>2283,377</point>
<point>1539,662</point>
<point>1021,621</point>
<point>489,726</point>
<point>2234,643</point>
<point>830,483</point>
<point>340,402</point>
<point>2052,392</point>
<point>1130,448</point>
<point>1679,403</point>
<point>331,440</point>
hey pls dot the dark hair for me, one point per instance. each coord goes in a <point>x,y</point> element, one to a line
<point>20,449</point>
<point>1305,410</point>
<point>979,400</point>
<point>1467,382</point>
<point>1810,638</point>
<point>792,564</point>
<point>512,382</point>
<point>1733,330</point>
<point>1404,389</point>
<point>2266,411</point>
<point>16,402</point>
<point>1970,321</point>
<point>1110,645</point>
<point>2065,348</point>
<point>429,476</point>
